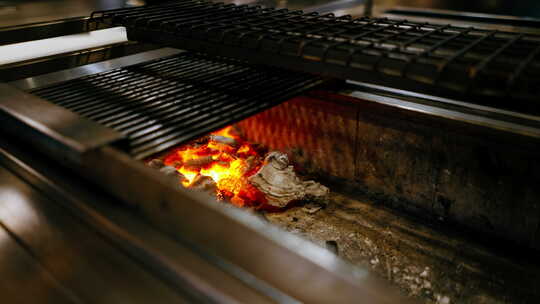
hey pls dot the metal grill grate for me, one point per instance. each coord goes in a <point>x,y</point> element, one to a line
<point>165,102</point>
<point>447,60</point>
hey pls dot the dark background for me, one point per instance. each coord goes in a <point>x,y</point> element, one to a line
<point>14,12</point>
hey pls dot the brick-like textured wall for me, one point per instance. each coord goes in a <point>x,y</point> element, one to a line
<point>318,135</point>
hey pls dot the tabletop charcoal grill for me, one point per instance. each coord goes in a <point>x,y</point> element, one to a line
<point>425,134</point>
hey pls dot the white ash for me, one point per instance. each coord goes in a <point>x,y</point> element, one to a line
<point>312,208</point>
<point>156,164</point>
<point>202,182</point>
<point>280,184</point>
<point>442,299</point>
<point>358,244</point>
<point>415,279</point>
<point>176,177</point>
<point>168,170</point>
<point>224,140</point>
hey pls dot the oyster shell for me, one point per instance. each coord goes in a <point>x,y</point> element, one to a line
<point>280,184</point>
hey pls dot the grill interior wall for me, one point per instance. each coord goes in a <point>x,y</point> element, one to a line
<point>439,174</point>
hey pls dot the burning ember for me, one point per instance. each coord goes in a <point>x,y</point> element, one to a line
<point>236,171</point>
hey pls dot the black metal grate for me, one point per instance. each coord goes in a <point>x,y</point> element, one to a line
<point>446,60</point>
<point>165,102</point>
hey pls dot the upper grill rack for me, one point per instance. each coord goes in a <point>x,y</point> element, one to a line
<point>165,102</point>
<point>459,62</point>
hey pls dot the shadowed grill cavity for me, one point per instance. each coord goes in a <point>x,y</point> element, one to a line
<point>165,102</point>
<point>459,62</point>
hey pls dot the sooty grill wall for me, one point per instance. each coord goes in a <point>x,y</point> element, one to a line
<point>442,173</point>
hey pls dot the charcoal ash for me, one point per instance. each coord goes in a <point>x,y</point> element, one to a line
<point>312,208</point>
<point>156,163</point>
<point>199,163</point>
<point>176,177</point>
<point>204,183</point>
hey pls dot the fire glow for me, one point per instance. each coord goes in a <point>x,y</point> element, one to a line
<point>237,171</point>
<point>224,158</point>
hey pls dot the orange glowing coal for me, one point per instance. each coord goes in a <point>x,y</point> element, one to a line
<point>224,158</point>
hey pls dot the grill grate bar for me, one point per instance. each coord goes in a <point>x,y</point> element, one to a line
<point>436,59</point>
<point>162,110</point>
<point>110,80</point>
<point>480,67</point>
<point>168,85</point>
<point>87,95</point>
<point>116,102</point>
<point>62,89</point>
<point>161,127</point>
<point>162,103</point>
<point>205,120</point>
<point>463,51</point>
<point>148,102</point>
<point>119,13</point>
<point>143,19</point>
<point>67,96</point>
<point>249,79</point>
<point>523,65</point>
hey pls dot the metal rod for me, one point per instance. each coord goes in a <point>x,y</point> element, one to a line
<point>368,8</point>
